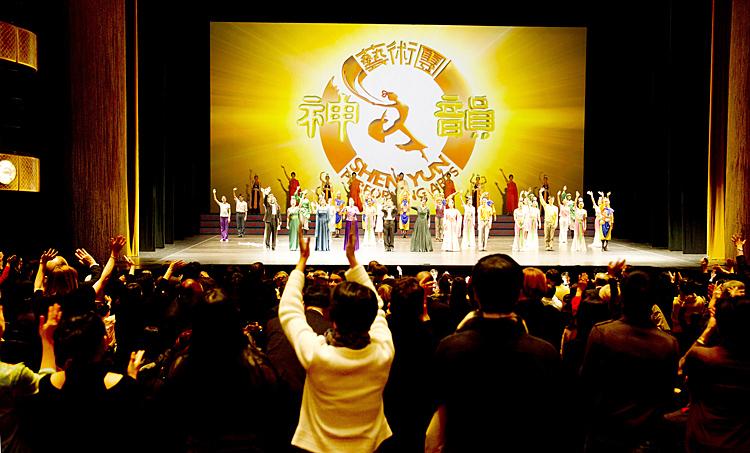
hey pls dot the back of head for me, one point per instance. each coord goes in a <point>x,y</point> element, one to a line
<point>62,280</point>
<point>554,277</point>
<point>444,283</point>
<point>379,271</point>
<point>79,341</point>
<point>317,294</point>
<point>353,308</point>
<point>637,296</point>
<point>407,298</point>
<point>733,319</point>
<point>534,283</point>
<point>217,329</point>
<point>458,293</point>
<point>496,281</point>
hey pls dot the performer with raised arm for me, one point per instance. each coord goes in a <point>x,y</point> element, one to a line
<point>532,222</point>
<point>597,205</point>
<point>340,207</point>
<point>225,211</point>
<point>352,224</point>
<point>565,205</point>
<point>550,219</point>
<point>304,209</point>
<point>486,214</point>
<point>390,214</point>
<point>440,203</point>
<point>255,195</point>
<point>271,218</point>
<point>354,190</point>
<point>403,195</point>
<point>325,188</point>
<point>240,210</point>
<point>511,193</point>
<point>578,215</point>
<point>377,196</point>
<point>608,221</point>
<point>293,185</point>
<point>421,240</point>
<point>369,217</point>
<point>476,183</point>
<point>447,184</point>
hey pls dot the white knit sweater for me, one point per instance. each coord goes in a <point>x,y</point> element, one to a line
<point>342,402</point>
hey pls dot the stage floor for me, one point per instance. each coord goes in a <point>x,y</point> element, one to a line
<point>210,250</point>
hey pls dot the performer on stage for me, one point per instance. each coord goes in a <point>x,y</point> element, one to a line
<point>271,218</point>
<point>596,243</point>
<point>565,205</point>
<point>550,219</point>
<point>340,206</point>
<point>293,185</point>
<point>452,227</point>
<point>390,214</point>
<point>255,196</point>
<point>477,183</point>
<point>304,210</point>
<point>377,197</point>
<point>421,240</point>
<point>322,234</point>
<point>224,214</point>
<point>447,184</point>
<point>519,216</point>
<point>354,190</point>
<point>369,217</point>
<point>511,193</point>
<point>351,213</point>
<point>608,221</point>
<point>486,214</point>
<point>532,222</point>
<point>331,219</point>
<point>468,238</point>
<point>292,224</point>
<point>241,212</point>
<point>440,203</point>
<point>325,185</point>
<point>578,215</point>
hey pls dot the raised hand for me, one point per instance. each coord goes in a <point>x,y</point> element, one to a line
<point>48,324</point>
<point>48,255</point>
<point>214,190</point>
<point>350,245</point>
<point>135,363</point>
<point>304,244</point>
<point>616,268</point>
<point>84,257</point>
<point>116,244</point>
<point>738,240</point>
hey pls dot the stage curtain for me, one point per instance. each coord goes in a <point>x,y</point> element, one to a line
<point>98,163</point>
<point>729,164</point>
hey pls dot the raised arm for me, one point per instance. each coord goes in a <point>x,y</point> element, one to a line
<point>234,194</point>
<point>503,175</point>
<point>322,180</point>
<point>216,199</point>
<point>286,191</point>
<point>541,196</point>
<point>39,280</point>
<point>288,179</point>
<point>116,245</point>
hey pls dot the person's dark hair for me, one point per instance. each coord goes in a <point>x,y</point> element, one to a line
<point>496,281</point>
<point>444,284</point>
<point>294,174</point>
<point>217,329</point>
<point>733,319</point>
<point>686,287</point>
<point>353,308</point>
<point>317,294</point>
<point>458,301</point>
<point>379,271</point>
<point>637,296</point>
<point>554,277</point>
<point>407,299</point>
<point>78,341</point>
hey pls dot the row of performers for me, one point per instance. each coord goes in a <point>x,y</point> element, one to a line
<point>381,215</point>
<point>567,211</point>
<point>475,187</point>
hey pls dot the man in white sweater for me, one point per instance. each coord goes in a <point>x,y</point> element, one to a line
<point>347,369</point>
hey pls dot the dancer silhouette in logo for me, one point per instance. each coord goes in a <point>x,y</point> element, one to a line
<point>378,131</point>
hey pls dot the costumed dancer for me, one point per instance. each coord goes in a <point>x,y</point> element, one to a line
<point>255,194</point>
<point>340,207</point>
<point>354,190</point>
<point>403,195</point>
<point>578,215</point>
<point>550,219</point>
<point>532,223</point>
<point>511,193</point>
<point>325,188</point>
<point>421,240</point>
<point>352,224</point>
<point>293,185</point>
<point>608,221</point>
<point>565,204</point>
<point>225,211</point>
<point>331,219</point>
<point>486,214</point>
<point>390,214</point>
<point>369,217</point>
<point>440,203</point>
<point>304,210</point>
<point>322,233</point>
<point>447,184</point>
<point>596,243</point>
<point>293,223</point>
<point>468,238</point>
<point>451,227</point>
<point>240,209</point>
<point>477,183</point>
<point>271,218</point>
<point>519,216</point>
<point>377,196</point>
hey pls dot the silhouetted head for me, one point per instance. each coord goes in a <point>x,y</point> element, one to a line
<point>496,282</point>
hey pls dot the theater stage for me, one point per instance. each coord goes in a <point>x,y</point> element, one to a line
<point>207,249</point>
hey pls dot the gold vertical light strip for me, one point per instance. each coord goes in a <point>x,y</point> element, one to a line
<point>134,241</point>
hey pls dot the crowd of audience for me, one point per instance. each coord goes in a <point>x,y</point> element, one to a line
<point>117,358</point>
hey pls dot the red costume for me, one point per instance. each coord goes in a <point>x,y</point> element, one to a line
<point>354,192</point>
<point>449,188</point>
<point>293,186</point>
<point>511,197</point>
